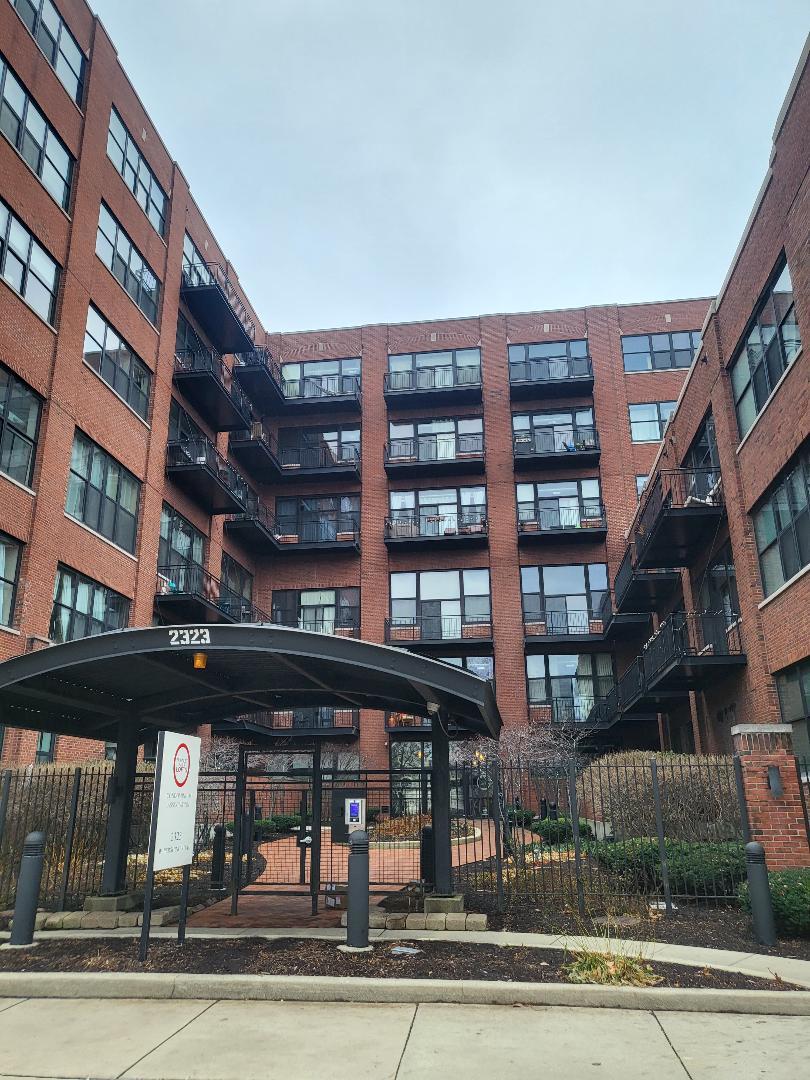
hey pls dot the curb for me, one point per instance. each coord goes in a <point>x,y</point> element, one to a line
<point>401,991</point>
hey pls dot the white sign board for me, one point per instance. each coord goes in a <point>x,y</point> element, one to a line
<point>176,804</point>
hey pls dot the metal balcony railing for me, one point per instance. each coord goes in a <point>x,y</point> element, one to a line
<point>589,515</point>
<point>204,275</point>
<point>561,710</point>
<point>560,369</point>
<point>322,456</point>
<point>691,634</point>
<point>632,684</point>
<point>258,433</point>
<point>571,440</point>
<point>187,360</point>
<point>435,448</point>
<point>317,529</point>
<point>188,579</point>
<point>470,521</point>
<point>432,378</point>
<point>677,489</point>
<point>325,387</point>
<point>260,357</point>
<point>199,451</point>
<point>326,718</point>
<point>563,623</point>
<point>437,628</point>
<point>345,623</point>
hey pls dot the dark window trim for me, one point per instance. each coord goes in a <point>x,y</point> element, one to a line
<point>4,421</point>
<point>136,360</point>
<point>651,352</point>
<point>662,424</point>
<point>141,290</point>
<point>84,482</point>
<point>15,583</point>
<point>461,598</point>
<point>550,695</point>
<point>543,596</point>
<point>768,503</point>
<point>50,320</point>
<point>78,579</point>
<point>81,77</point>
<point>173,516</point>
<point>142,163</point>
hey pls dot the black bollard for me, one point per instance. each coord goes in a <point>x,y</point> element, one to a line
<point>759,891</point>
<point>357,915</point>
<point>218,858</point>
<point>25,902</point>
<point>426,857</point>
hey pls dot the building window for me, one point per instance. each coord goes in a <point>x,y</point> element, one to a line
<point>187,340</point>
<point>549,360</point>
<point>20,410</point>
<point>793,685</point>
<point>123,152</point>
<point>122,258</point>
<point>641,483</point>
<point>236,579</point>
<point>437,511</point>
<point>180,543</point>
<point>553,432</point>
<point>782,526</point>
<point>772,344</point>
<point>83,607</point>
<point>647,422</point>
<point>46,748</point>
<point>562,599</point>
<point>181,426</point>
<point>110,749</point>
<point>10,557</point>
<point>441,603</point>
<point>102,493</point>
<point>560,504</point>
<point>106,352</point>
<point>58,45</point>
<point>195,268</point>
<point>27,267</point>
<point>315,518</point>
<point>434,370</point>
<point>325,611</point>
<point>321,378</point>
<point>564,687</point>
<point>657,352</point>
<point>718,591</point>
<point>26,128</point>
<point>317,447</point>
<point>436,440</point>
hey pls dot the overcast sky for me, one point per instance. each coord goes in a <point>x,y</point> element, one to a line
<point>386,160</point>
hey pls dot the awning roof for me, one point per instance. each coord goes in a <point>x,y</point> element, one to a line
<point>85,687</point>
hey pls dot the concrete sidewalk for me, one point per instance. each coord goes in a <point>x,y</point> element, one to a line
<point>226,1040</point>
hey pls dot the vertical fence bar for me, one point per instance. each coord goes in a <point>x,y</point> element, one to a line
<point>662,846</point>
<point>496,800</point>
<point>738,780</point>
<point>803,796</point>
<point>236,850</point>
<point>5,792</point>
<point>573,810</point>
<point>71,830</point>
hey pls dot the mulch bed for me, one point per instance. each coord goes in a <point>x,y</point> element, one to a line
<point>287,956</point>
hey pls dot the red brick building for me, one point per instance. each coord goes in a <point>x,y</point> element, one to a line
<point>463,487</point>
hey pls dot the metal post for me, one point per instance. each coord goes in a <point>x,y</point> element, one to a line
<point>218,858</point>
<point>5,793</point>
<point>573,810</point>
<point>662,847</point>
<point>315,849</point>
<point>181,922</point>
<point>357,913</point>
<point>119,797</point>
<point>302,848</point>
<point>71,830</point>
<point>236,850</point>
<point>25,902</point>
<point>496,799</point>
<point>759,891</point>
<point>738,780</point>
<point>440,806</point>
<point>426,857</point>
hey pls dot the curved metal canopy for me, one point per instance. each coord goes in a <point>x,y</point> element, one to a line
<point>86,687</point>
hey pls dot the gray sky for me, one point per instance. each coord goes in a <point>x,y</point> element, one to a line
<point>386,160</point>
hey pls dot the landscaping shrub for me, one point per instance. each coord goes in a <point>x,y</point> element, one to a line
<point>278,823</point>
<point>517,816</point>
<point>695,869</point>
<point>559,830</point>
<point>790,893</point>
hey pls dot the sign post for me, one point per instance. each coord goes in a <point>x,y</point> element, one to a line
<point>171,831</point>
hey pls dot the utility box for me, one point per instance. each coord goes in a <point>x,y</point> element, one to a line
<point>348,812</point>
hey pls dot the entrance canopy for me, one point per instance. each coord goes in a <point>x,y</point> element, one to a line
<point>87,687</point>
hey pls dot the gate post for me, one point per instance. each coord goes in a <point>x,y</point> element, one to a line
<point>315,849</point>
<point>120,793</point>
<point>440,791</point>
<point>236,849</point>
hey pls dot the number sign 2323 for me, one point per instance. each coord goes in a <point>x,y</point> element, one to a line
<point>197,635</point>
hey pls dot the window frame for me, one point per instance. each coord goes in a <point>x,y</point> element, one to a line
<point>79,488</point>
<point>592,606</point>
<point>287,609</point>
<point>344,382</point>
<point>651,352</point>
<point>7,583</point>
<point>132,395</point>
<point>176,522</point>
<point>33,250</point>
<point>118,244</point>
<point>36,8</point>
<point>584,502</point>
<point>453,365</point>
<point>599,681</point>
<point>465,619</point>
<point>17,433</point>
<point>79,579</point>
<point>662,423</point>
<point>780,497</point>
<point>137,182</point>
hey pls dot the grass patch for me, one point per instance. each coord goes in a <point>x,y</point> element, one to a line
<point>606,969</point>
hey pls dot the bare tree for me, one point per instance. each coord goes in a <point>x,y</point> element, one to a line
<point>529,745</point>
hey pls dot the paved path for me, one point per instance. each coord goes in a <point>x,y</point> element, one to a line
<point>257,1040</point>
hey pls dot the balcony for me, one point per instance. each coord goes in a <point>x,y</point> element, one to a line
<point>256,451</point>
<point>205,381</point>
<point>434,631</point>
<point>544,628</point>
<point>679,515</point>
<point>432,385</point>
<point>321,462</point>
<point>260,377</point>
<point>346,623</point>
<point>199,470</point>
<point>692,650</point>
<point>189,594</point>
<point>435,455</point>
<point>466,529</point>
<point>546,446</point>
<point>214,301</point>
<point>300,723</point>
<point>622,625</point>
<point>563,377</point>
<point>642,590</point>
<point>586,522</point>
<point>316,393</point>
<point>565,711</point>
<point>255,527</point>
<point>261,530</point>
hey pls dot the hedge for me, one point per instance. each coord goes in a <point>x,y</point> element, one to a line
<point>559,830</point>
<point>695,869</point>
<point>790,894</point>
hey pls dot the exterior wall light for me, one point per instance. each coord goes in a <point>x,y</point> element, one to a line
<point>200,661</point>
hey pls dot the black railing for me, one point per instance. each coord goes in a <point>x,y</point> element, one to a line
<point>677,489</point>
<point>631,685</point>
<point>317,529</point>
<point>325,718</point>
<point>561,710</point>
<point>435,448</point>
<point>571,440</point>
<point>190,360</point>
<point>590,514</point>
<point>555,370</point>
<point>344,623</point>
<point>690,634</point>
<point>204,275</point>
<point>624,575</point>
<point>433,378</point>
<point>563,623</point>
<point>326,387</point>
<point>260,357</point>
<point>469,521</point>
<point>322,456</point>
<point>199,451</point>
<point>257,433</point>
<point>434,628</point>
<point>188,579</point>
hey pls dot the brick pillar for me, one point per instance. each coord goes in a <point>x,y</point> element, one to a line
<point>777,822</point>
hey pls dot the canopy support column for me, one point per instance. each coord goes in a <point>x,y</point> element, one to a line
<point>119,799</point>
<point>440,805</point>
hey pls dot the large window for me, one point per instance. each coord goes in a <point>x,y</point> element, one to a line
<point>27,267</point>
<point>181,426</point>
<point>326,611</point>
<point>437,511</point>
<point>321,378</point>
<point>123,152</point>
<point>119,254</point>
<point>564,687</point>
<point>647,422</point>
<point>10,555</point>
<point>782,526</point>
<point>656,352</point>
<point>553,432</point>
<point>26,128</point>
<point>187,340</point>
<point>434,370</point>
<point>549,360</point>
<point>83,607</point>
<point>718,590</point>
<point>319,447</point>
<point>316,518</point>
<point>59,46</point>
<point>793,685</point>
<point>236,589</point>
<point>106,352</point>
<point>436,440</point>
<point>180,543</point>
<point>562,599</point>
<point>102,493</point>
<point>46,748</point>
<point>440,603</point>
<point>20,410</point>
<point>772,344</point>
<point>560,504</point>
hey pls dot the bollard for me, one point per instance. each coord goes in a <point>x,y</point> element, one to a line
<point>426,857</point>
<point>25,903</point>
<point>759,891</point>
<point>218,858</point>
<point>357,914</point>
